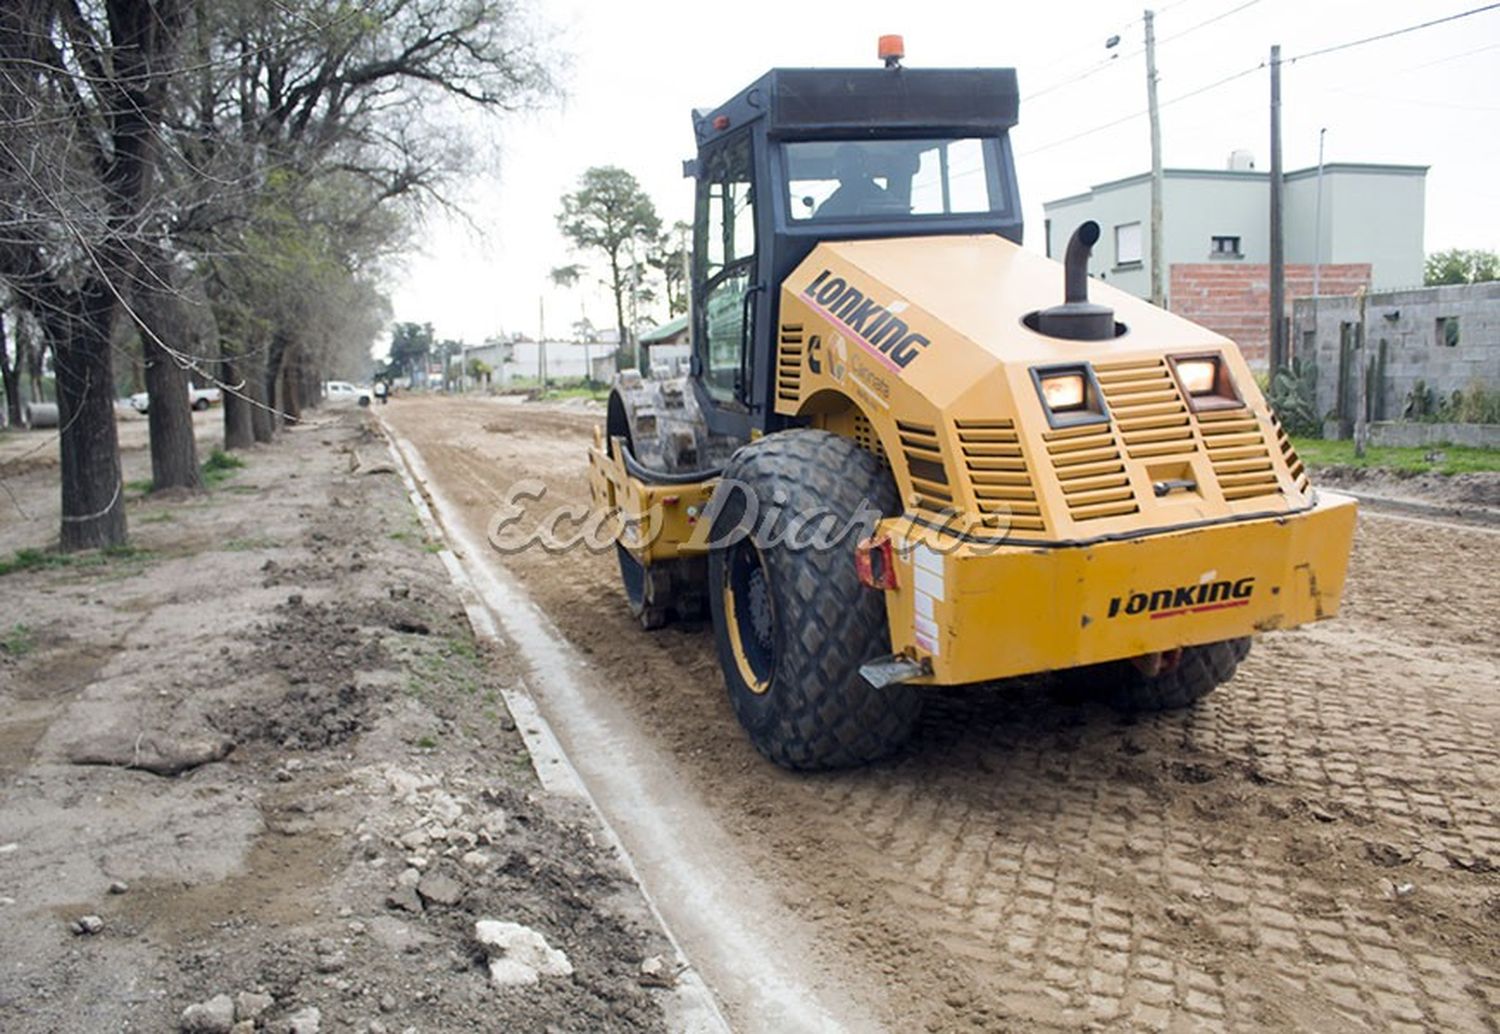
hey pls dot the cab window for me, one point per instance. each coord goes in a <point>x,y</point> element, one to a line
<point>892,179</point>
<point>725,254</point>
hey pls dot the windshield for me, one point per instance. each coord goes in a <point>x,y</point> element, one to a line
<point>884,179</point>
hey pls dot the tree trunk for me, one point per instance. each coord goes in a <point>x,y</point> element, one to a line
<point>11,372</point>
<point>174,453</point>
<point>262,416</point>
<point>93,500</point>
<point>290,396</point>
<point>239,423</point>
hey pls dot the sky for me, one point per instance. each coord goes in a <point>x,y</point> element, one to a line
<point>638,67</point>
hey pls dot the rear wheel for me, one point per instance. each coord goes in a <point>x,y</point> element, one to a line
<point>793,625</point>
<point>200,404</point>
<point>1192,675</point>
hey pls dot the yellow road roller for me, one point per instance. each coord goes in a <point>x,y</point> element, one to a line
<point>909,453</point>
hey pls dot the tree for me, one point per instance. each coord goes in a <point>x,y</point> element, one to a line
<point>669,256</point>
<point>84,106</point>
<point>411,343</point>
<point>1460,266</point>
<point>610,213</point>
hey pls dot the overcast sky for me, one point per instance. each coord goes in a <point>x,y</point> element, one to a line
<point>1424,98</point>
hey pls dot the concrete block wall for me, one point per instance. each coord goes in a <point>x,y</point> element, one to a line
<point>1234,299</point>
<point>1406,324</point>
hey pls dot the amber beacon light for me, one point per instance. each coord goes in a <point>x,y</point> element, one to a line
<point>891,50</point>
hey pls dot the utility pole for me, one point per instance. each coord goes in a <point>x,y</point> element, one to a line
<point>541,342</point>
<point>1278,257</point>
<point>1318,240</point>
<point>1158,295</point>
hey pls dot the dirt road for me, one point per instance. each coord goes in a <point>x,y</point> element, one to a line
<point>1313,847</point>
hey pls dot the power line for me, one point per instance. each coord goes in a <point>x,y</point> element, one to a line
<point>1394,32</point>
<point>1206,22</point>
<point>1138,114</point>
<point>1114,59</point>
<point>1257,67</point>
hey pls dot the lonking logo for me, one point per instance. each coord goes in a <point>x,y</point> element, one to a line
<point>1185,599</point>
<point>873,325</point>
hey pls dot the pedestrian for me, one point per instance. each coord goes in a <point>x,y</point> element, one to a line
<point>382,389</point>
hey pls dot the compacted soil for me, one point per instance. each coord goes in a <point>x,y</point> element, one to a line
<point>1313,847</point>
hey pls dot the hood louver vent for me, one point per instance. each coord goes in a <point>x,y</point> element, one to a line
<point>789,363</point>
<point>1289,454</point>
<point>998,475</point>
<point>1147,408</point>
<point>1090,472</point>
<point>924,462</point>
<point>1237,450</point>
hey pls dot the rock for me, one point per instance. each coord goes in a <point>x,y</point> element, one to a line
<point>415,840</point>
<point>656,973</point>
<point>476,860</point>
<point>404,899</point>
<point>518,955</point>
<point>215,1016</point>
<point>1431,860</point>
<point>440,889</point>
<point>119,887</point>
<point>445,808</point>
<point>306,1020</point>
<point>1386,856</point>
<point>387,1002</point>
<point>87,926</point>
<point>248,1005</point>
<point>333,962</point>
<point>159,753</point>
<point>243,1027</point>
<point>1404,889</point>
<point>376,1027</point>
<point>409,877</point>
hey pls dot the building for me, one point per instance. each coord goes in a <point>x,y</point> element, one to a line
<point>1367,230</point>
<point>1439,339</point>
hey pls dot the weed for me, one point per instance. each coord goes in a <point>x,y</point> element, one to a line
<point>220,466</point>
<point>427,743</point>
<point>157,518</point>
<point>17,642</point>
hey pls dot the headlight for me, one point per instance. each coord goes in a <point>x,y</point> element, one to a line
<point>1063,391</point>
<point>1205,381</point>
<point>1198,375</point>
<point>1070,395</point>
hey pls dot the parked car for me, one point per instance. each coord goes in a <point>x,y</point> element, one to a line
<point>343,391</point>
<point>198,398</point>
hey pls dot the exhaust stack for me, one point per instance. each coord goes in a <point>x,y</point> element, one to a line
<point>1078,319</point>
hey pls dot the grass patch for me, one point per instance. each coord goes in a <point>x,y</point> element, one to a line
<point>46,559</point>
<point>1414,459</point>
<point>157,518</point>
<point>220,466</point>
<point>17,641</point>
<point>580,392</point>
<point>140,487</point>
<point>246,545</point>
<point>427,743</point>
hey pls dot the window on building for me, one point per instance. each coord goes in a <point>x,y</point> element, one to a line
<point>1226,247</point>
<point>1128,244</point>
<point>1447,331</point>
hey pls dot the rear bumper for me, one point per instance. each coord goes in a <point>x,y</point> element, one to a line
<point>979,611</point>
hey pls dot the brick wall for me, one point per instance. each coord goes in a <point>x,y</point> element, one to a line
<point>1234,299</point>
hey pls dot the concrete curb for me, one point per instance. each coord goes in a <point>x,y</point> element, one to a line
<point>693,1010</point>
